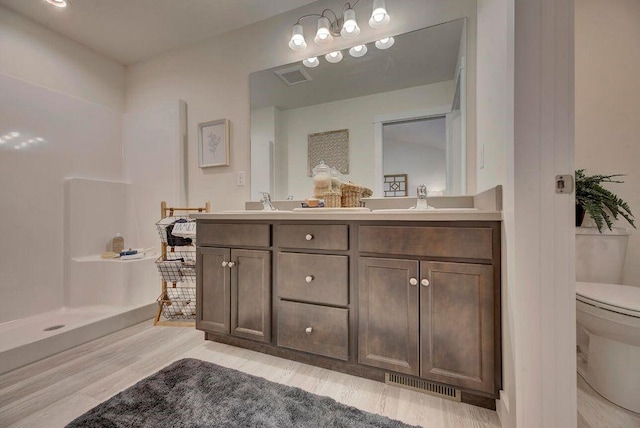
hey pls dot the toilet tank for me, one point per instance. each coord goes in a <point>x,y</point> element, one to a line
<point>600,256</point>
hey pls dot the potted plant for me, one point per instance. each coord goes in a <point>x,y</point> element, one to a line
<point>600,203</point>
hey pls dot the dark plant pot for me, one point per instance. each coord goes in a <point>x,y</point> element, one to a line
<point>579,215</point>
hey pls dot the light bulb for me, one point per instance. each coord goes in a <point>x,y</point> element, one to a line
<point>379,16</point>
<point>358,51</point>
<point>297,42</point>
<point>385,43</point>
<point>350,27</point>
<point>311,62</point>
<point>39,139</point>
<point>14,134</point>
<point>323,35</point>
<point>334,57</point>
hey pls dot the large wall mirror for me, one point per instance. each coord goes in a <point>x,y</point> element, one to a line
<point>398,111</point>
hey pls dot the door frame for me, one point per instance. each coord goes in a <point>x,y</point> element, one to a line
<point>378,123</point>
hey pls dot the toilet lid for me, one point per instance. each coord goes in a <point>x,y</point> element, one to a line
<point>615,297</point>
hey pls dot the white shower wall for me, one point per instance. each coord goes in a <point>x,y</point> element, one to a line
<point>81,139</point>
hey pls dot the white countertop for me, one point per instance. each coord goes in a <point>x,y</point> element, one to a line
<point>318,214</point>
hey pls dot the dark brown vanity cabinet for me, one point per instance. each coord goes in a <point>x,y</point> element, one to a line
<point>313,289</point>
<point>420,299</point>
<point>234,286</point>
<point>432,319</point>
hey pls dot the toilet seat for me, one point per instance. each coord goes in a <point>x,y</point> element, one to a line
<point>622,299</point>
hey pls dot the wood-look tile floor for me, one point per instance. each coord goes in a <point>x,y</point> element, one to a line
<point>53,391</point>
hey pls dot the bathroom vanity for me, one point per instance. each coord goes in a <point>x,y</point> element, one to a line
<point>412,298</point>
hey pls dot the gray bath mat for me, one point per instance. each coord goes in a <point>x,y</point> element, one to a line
<point>194,393</point>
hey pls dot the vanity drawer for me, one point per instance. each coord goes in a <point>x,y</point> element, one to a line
<point>448,242</point>
<point>316,329</point>
<point>314,236</point>
<point>222,234</point>
<point>315,278</point>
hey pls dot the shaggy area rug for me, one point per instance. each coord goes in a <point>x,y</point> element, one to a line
<point>194,393</point>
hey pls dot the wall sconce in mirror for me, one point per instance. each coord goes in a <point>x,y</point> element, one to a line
<point>345,26</point>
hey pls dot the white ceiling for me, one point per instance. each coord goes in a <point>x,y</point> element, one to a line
<point>129,31</point>
<point>427,132</point>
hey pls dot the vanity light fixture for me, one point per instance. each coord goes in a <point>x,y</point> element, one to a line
<point>323,35</point>
<point>297,42</point>
<point>330,25</point>
<point>334,57</point>
<point>350,26</point>
<point>358,51</point>
<point>385,43</point>
<point>311,62</point>
<point>379,16</point>
<point>58,3</point>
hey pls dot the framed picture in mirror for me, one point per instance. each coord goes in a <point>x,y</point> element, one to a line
<point>213,143</point>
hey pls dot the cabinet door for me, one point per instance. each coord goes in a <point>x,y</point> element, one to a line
<point>456,324</point>
<point>388,314</point>
<point>251,294</point>
<point>213,293</point>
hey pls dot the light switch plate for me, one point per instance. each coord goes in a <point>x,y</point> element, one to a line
<point>240,178</point>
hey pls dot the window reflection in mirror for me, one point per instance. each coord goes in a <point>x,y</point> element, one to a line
<point>414,90</point>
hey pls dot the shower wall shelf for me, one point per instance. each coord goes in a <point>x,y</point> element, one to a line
<point>177,267</point>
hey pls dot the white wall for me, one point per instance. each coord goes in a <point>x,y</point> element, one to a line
<point>264,123</point>
<point>422,164</point>
<point>357,115</point>
<point>495,92</point>
<point>82,140</point>
<point>213,78</point>
<point>39,56</point>
<point>73,98</point>
<point>607,93</point>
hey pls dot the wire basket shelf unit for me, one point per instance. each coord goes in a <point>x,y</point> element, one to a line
<point>177,266</point>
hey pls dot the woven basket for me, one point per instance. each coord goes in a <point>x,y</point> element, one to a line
<point>332,199</point>
<point>352,193</point>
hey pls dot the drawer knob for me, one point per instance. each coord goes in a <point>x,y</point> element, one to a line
<point>309,278</point>
<point>308,330</point>
<point>309,237</point>
<point>413,281</point>
<point>425,282</point>
<point>224,263</point>
<point>231,264</point>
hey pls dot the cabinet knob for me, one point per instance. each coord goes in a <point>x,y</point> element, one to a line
<point>224,263</point>
<point>309,278</point>
<point>413,281</point>
<point>231,264</point>
<point>309,237</point>
<point>308,330</point>
<point>425,282</point>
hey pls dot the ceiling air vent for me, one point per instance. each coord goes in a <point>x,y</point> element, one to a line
<point>293,75</point>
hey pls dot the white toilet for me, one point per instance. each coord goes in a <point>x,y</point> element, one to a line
<point>608,317</point>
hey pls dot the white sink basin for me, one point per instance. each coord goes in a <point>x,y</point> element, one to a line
<point>430,210</point>
<point>254,212</point>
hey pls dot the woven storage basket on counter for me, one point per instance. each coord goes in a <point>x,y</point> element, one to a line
<point>332,199</point>
<point>352,193</point>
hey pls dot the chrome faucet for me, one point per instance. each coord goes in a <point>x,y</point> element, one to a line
<point>421,202</point>
<point>266,202</point>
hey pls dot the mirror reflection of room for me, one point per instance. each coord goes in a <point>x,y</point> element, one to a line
<point>417,86</point>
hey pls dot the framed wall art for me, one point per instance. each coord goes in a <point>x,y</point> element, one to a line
<point>330,147</point>
<point>213,147</point>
